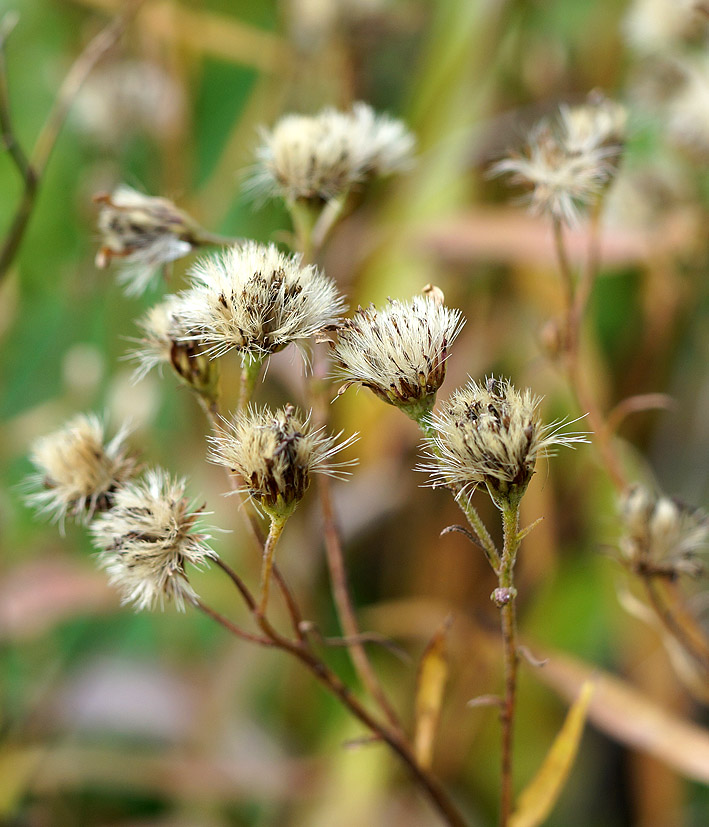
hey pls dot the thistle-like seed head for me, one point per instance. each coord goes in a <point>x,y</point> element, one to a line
<point>165,341</point>
<point>275,454</point>
<point>144,232</point>
<point>257,300</point>
<point>147,537</point>
<point>567,165</point>
<point>320,157</point>
<point>398,352</point>
<point>490,434</point>
<point>661,535</point>
<point>78,472</point>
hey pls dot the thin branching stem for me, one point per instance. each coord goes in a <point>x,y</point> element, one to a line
<point>33,169</point>
<point>269,549</point>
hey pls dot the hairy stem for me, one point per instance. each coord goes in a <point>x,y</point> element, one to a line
<point>507,602</point>
<point>274,532</point>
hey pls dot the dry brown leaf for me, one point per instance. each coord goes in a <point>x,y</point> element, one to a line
<point>628,716</point>
<point>430,685</point>
<point>539,797</point>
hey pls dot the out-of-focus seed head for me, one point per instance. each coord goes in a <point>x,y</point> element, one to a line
<point>490,434</point>
<point>399,352</point>
<point>320,157</point>
<point>275,455</point>
<point>165,341</point>
<point>568,164</point>
<point>146,539</point>
<point>659,27</point>
<point>661,535</point>
<point>144,233</point>
<point>257,300</point>
<point>78,472</point>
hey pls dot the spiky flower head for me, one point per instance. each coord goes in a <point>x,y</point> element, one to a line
<point>146,539</point>
<point>320,157</point>
<point>144,233</point>
<point>399,352</point>
<point>567,164</point>
<point>275,454</point>
<point>165,341</point>
<point>490,434</point>
<point>661,535</point>
<point>257,300</point>
<point>78,471</point>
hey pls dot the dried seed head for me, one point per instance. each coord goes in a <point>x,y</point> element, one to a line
<point>257,300</point>
<point>568,164</point>
<point>655,27</point>
<point>320,157</point>
<point>144,232</point>
<point>146,539</point>
<point>600,123</point>
<point>688,109</point>
<point>490,434</point>
<point>78,473</point>
<point>661,535</point>
<point>398,352</point>
<point>275,454</point>
<point>165,341</point>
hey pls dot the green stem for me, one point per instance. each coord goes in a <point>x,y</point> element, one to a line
<point>505,597</point>
<point>250,371</point>
<point>269,549</point>
<point>481,532</point>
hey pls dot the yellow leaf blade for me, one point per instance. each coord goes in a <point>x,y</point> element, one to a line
<point>539,797</point>
<point>430,685</point>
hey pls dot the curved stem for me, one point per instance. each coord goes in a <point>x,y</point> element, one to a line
<point>274,532</point>
<point>250,371</point>
<point>486,542</point>
<point>679,625</point>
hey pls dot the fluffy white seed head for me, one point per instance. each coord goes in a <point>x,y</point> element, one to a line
<point>275,455</point>
<point>322,156</point>
<point>146,539</point>
<point>399,352</point>
<point>144,233</point>
<point>166,340</point>
<point>490,433</point>
<point>78,471</point>
<point>257,300</point>
<point>655,27</point>
<point>661,535</point>
<point>567,164</point>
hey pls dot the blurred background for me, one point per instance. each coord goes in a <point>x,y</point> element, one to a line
<point>113,718</point>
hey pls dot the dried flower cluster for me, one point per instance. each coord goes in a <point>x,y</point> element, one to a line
<point>568,164</point>
<point>146,539</point>
<point>399,352</point>
<point>276,454</point>
<point>78,472</point>
<point>490,434</point>
<point>322,156</point>
<point>144,232</point>
<point>257,300</point>
<point>661,535</point>
<point>166,340</point>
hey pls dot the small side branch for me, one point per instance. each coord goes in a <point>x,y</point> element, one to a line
<point>32,169</point>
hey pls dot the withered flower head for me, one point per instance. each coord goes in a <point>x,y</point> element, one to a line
<point>320,157</point>
<point>78,472</point>
<point>567,165</point>
<point>398,352</point>
<point>257,300</point>
<point>146,539</point>
<point>661,535</point>
<point>275,454</point>
<point>144,233</point>
<point>490,434</point>
<point>165,341</point>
